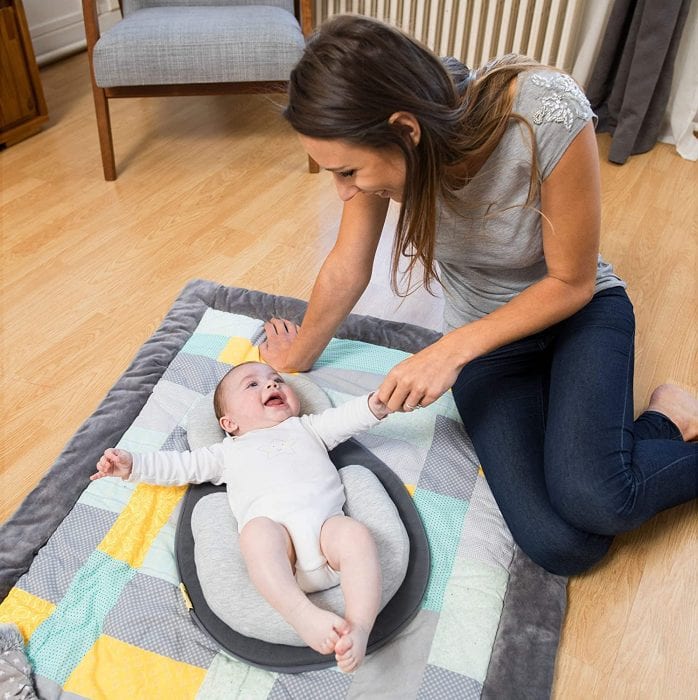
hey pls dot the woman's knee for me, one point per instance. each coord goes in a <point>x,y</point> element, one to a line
<point>600,508</point>
<point>563,550</point>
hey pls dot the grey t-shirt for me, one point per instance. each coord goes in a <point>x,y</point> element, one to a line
<point>489,253</point>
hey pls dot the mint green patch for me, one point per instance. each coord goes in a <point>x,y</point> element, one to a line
<point>160,559</point>
<point>226,324</point>
<point>110,494</point>
<point>470,613</point>
<point>443,518</point>
<point>229,678</point>
<point>446,406</point>
<point>137,439</point>
<point>416,428</point>
<point>205,344</point>
<point>59,644</point>
<point>357,355</point>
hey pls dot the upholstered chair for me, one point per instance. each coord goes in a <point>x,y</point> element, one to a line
<point>192,47</point>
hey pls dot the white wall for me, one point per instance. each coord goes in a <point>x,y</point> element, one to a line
<point>591,31</point>
<point>56,27</point>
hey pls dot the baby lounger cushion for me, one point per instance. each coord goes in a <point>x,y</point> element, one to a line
<point>225,602</point>
<point>231,595</point>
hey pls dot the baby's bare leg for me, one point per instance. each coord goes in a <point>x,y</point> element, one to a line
<point>350,549</point>
<point>268,552</point>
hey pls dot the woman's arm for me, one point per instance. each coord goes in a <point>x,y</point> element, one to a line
<point>570,206</point>
<point>342,279</point>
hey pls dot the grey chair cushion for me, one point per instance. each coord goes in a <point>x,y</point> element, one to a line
<point>223,576</point>
<point>132,5</point>
<point>201,44</point>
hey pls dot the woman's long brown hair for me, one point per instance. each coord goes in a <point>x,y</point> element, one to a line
<point>356,72</point>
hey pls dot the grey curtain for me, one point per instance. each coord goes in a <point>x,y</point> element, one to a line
<point>631,80</point>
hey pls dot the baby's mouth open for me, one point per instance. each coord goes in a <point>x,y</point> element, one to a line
<point>275,400</point>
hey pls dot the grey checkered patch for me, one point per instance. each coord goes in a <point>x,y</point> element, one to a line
<point>195,372</point>
<point>451,465</point>
<point>151,614</point>
<point>313,685</point>
<point>56,564</point>
<point>176,440</point>
<point>404,458</point>
<point>438,683</point>
<point>485,536</point>
<point>259,336</point>
<point>47,689</point>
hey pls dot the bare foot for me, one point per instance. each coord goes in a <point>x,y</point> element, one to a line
<point>351,648</point>
<point>679,407</point>
<point>318,628</point>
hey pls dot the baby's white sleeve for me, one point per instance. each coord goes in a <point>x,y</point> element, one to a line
<point>177,468</point>
<point>338,424</point>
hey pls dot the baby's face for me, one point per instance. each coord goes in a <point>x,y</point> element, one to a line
<point>254,396</point>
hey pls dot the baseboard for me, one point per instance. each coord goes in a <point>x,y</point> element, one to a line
<point>62,36</point>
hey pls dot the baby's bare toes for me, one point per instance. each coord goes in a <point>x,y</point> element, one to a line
<point>344,644</point>
<point>347,664</point>
<point>328,646</point>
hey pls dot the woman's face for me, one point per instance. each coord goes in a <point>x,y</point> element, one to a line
<point>359,169</point>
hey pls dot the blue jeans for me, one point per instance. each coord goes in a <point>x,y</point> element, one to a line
<point>551,419</point>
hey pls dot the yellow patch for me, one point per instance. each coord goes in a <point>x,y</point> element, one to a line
<point>25,610</point>
<point>480,472</point>
<point>410,489</point>
<point>239,350</point>
<point>148,509</point>
<point>115,669</point>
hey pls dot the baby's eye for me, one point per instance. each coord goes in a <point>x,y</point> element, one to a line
<point>279,380</point>
<point>251,385</point>
<point>347,173</point>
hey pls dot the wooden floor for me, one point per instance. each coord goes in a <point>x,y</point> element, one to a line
<point>217,188</point>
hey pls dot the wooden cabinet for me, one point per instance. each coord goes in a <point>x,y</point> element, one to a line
<point>22,104</point>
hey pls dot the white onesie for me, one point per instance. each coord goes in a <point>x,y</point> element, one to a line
<point>283,473</point>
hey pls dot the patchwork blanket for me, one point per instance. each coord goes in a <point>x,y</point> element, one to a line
<point>88,571</point>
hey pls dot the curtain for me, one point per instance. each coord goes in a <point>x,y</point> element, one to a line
<point>631,80</point>
<point>681,119</point>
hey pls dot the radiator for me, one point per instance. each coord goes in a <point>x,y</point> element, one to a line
<point>476,30</point>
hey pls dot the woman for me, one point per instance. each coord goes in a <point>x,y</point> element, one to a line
<point>497,176</point>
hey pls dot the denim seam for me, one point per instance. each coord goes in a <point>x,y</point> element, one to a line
<point>667,466</point>
<point>630,470</point>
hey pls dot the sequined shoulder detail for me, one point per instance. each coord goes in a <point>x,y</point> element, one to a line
<point>562,102</point>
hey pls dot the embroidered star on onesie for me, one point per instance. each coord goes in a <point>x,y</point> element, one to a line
<point>278,447</point>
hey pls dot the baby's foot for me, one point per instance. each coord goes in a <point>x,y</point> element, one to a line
<point>351,648</point>
<point>679,406</point>
<point>318,628</point>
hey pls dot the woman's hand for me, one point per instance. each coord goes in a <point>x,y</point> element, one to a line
<point>419,380</point>
<point>281,334</point>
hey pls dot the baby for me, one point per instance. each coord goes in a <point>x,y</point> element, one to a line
<point>287,498</point>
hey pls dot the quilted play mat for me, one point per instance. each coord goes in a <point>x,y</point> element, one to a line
<point>88,572</point>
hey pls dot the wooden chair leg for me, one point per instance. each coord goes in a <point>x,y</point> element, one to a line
<point>313,167</point>
<point>106,143</point>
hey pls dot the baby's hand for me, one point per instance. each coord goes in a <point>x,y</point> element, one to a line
<point>378,408</point>
<point>114,463</point>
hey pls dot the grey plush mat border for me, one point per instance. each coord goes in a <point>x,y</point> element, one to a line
<point>523,657</point>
